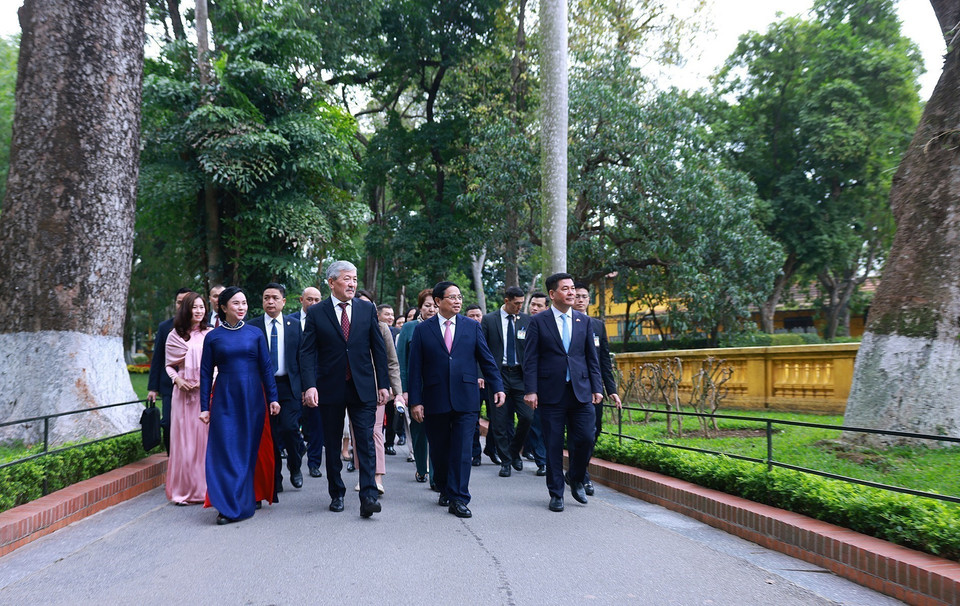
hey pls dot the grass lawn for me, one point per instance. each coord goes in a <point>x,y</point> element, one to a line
<point>139,381</point>
<point>919,468</point>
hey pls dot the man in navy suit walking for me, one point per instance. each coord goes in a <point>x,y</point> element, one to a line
<point>561,376</point>
<point>283,341</point>
<point>442,392</point>
<point>343,353</point>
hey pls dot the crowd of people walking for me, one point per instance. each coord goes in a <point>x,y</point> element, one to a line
<point>346,381</point>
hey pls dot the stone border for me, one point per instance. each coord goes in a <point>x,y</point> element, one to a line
<point>907,575</point>
<point>30,521</point>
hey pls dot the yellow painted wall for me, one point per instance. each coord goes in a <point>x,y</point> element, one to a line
<point>795,378</point>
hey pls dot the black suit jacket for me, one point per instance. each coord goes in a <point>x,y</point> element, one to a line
<point>324,353</point>
<point>158,380</point>
<point>545,363</point>
<point>291,347</point>
<point>603,353</point>
<point>493,332</point>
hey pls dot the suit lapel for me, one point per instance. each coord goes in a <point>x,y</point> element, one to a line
<point>437,330</point>
<point>496,343</point>
<point>460,326</point>
<point>555,330</point>
<point>332,315</point>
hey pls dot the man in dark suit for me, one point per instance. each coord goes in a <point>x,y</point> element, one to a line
<point>443,393</point>
<point>561,375</point>
<point>343,352</point>
<point>310,419</point>
<point>158,383</point>
<point>505,331</point>
<point>581,302</point>
<point>283,341</point>
<point>212,318</point>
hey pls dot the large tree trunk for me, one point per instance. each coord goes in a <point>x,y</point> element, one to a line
<point>907,374</point>
<point>66,231</point>
<point>554,120</point>
<point>476,268</point>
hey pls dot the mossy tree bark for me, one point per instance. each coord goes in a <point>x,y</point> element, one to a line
<point>67,226</point>
<point>907,374</point>
<point>554,133</point>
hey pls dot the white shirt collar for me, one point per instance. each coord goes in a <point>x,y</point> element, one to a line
<point>337,302</point>
<point>557,313</point>
<point>443,321</point>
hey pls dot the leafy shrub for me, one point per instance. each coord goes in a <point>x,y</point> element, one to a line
<point>914,522</point>
<point>23,482</point>
<point>138,368</point>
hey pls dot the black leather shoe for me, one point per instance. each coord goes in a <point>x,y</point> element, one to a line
<point>336,504</point>
<point>493,456</point>
<point>258,505</point>
<point>579,494</point>
<point>390,450</point>
<point>223,520</point>
<point>369,506</point>
<point>315,472</point>
<point>351,467</point>
<point>505,471</point>
<point>529,457</point>
<point>296,478</point>
<point>420,477</point>
<point>443,501</point>
<point>541,470</point>
<point>460,510</point>
<point>556,503</point>
<point>588,488</point>
<point>401,440</point>
<point>475,462</point>
<point>518,464</point>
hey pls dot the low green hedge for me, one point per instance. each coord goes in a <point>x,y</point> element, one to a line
<point>23,482</point>
<point>914,522</point>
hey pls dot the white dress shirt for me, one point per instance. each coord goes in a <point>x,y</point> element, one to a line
<point>339,310</point>
<point>452,328</point>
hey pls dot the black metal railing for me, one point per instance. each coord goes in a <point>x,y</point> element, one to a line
<point>769,459</point>
<point>46,434</point>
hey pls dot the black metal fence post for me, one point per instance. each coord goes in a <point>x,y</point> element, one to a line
<point>769,446</point>
<point>46,449</point>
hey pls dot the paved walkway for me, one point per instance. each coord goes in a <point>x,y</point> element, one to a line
<point>615,550</point>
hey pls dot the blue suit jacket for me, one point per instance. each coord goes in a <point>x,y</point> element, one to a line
<point>324,353</point>
<point>291,347</point>
<point>545,363</point>
<point>444,382</point>
<point>158,380</point>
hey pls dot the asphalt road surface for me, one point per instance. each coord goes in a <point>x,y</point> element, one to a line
<point>615,550</point>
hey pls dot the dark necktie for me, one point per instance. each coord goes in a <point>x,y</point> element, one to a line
<point>274,354</point>
<point>345,327</point>
<point>511,342</point>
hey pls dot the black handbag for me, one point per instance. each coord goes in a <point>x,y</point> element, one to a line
<point>150,427</point>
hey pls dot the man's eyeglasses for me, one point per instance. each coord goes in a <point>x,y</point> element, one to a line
<point>454,297</point>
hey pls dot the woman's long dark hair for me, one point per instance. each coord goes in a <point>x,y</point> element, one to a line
<point>183,320</point>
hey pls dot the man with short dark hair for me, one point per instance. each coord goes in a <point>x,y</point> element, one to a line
<point>581,303</point>
<point>561,376</point>
<point>505,331</point>
<point>443,394</point>
<point>310,419</point>
<point>158,383</point>
<point>283,341</point>
<point>343,353</point>
<point>213,319</point>
<point>533,449</point>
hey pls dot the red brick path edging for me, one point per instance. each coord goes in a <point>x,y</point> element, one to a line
<point>908,575</point>
<point>30,521</point>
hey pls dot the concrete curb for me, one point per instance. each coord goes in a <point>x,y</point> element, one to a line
<point>907,575</point>
<point>30,521</point>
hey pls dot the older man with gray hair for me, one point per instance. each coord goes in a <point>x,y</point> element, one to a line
<point>343,351</point>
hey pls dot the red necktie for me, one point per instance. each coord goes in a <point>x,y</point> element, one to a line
<point>345,327</point>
